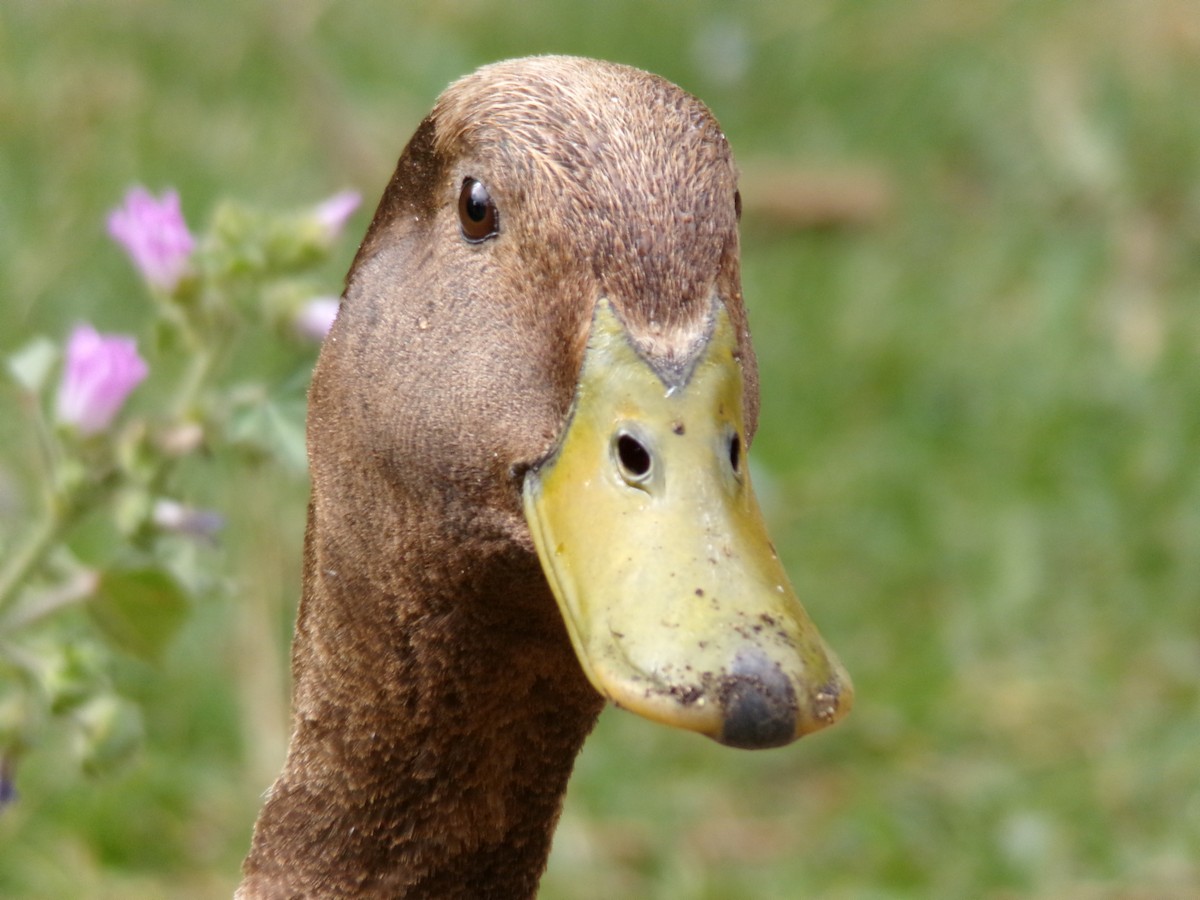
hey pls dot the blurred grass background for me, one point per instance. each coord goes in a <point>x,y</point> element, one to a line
<point>980,448</point>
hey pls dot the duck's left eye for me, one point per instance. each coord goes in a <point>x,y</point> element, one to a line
<point>477,215</point>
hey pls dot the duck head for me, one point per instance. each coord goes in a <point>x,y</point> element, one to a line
<point>544,336</point>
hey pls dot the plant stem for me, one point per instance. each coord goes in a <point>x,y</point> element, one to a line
<point>79,587</point>
<point>193,381</point>
<point>27,556</point>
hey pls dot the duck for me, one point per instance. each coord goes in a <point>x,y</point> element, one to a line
<point>528,436</point>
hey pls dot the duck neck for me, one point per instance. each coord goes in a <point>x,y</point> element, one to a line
<point>437,717</point>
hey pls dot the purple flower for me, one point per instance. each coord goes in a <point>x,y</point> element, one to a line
<point>332,214</point>
<point>8,791</point>
<point>314,319</point>
<point>153,233</point>
<point>101,370</point>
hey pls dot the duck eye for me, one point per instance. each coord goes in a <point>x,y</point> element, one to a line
<point>477,215</point>
<point>735,454</point>
<point>737,204</point>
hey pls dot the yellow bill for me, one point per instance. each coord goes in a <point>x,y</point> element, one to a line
<point>652,541</point>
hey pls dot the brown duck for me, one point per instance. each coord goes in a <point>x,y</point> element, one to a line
<point>528,433</point>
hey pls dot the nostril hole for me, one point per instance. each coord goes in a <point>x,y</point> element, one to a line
<point>735,454</point>
<point>633,456</point>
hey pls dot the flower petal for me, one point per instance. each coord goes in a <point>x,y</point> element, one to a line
<point>154,234</point>
<point>314,319</point>
<point>101,371</point>
<point>332,214</point>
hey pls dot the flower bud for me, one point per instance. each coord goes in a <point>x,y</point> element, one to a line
<point>101,371</point>
<point>173,516</point>
<point>314,319</point>
<point>332,214</point>
<point>155,236</point>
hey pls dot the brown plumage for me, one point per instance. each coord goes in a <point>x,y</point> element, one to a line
<point>438,704</point>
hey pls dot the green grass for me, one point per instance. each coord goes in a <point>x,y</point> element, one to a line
<point>980,447</point>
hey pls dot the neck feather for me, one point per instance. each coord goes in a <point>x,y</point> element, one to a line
<point>437,719</point>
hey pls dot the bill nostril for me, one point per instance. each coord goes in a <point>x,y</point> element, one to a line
<point>633,456</point>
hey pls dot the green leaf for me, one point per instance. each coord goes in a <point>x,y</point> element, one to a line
<point>70,676</point>
<point>17,716</point>
<point>139,610</point>
<point>110,732</point>
<point>32,364</point>
<point>132,508</point>
<point>275,428</point>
